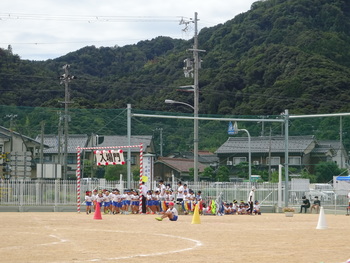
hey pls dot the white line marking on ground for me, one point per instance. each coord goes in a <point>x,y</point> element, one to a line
<point>197,244</point>
<point>60,240</point>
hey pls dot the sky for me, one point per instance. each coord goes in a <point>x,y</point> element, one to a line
<point>47,29</point>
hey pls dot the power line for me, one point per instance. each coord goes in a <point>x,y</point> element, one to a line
<point>88,18</point>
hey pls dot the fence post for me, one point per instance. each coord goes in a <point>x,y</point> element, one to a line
<point>37,193</point>
<point>56,195</point>
<point>21,194</point>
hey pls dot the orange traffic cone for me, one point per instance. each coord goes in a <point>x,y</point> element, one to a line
<point>97,214</point>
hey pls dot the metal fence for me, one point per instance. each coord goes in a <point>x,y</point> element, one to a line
<point>64,192</point>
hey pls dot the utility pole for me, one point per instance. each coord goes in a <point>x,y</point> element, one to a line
<point>160,140</point>
<point>11,116</point>
<point>286,157</point>
<point>59,144</point>
<point>196,98</point>
<point>196,66</point>
<point>270,155</point>
<point>341,141</point>
<point>128,161</point>
<point>42,149</point>
<point>65,79</point>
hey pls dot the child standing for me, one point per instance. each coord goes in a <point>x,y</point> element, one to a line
<point>185,202</point>
<point>116,202</point>
<point>99,199</point>
<point>135,202</point>
<point>88,201</point>
<point>149,202</point>
<point>107,202</point>
<point>94,196</point>
<point>126,202</point>
<point>156,202</point>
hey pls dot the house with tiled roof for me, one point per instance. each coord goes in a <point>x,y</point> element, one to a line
<point>204,157</point>
<point>266,151</point>
<point>166,167</point>
<point>340,157</point>
<point>53,155</point>
<point>17,152</point>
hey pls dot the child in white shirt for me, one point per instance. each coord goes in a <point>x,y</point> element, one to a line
<point>171,213</point>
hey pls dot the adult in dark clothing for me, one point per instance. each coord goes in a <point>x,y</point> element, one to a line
<point>305,205</point>
<point>316,205</point>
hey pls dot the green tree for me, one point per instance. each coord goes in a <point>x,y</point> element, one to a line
<point>223,174</point>
<point>274,177</point>
<point>243,170</point>
<point>306,175</point>
<point>87,168</point>
<point>325,171</point>
<point>191,174</point>
<point>208,173</point>
<point>136,174</point>
<point>113,172</point>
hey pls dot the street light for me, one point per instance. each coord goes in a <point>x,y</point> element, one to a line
<point>178,102</point>
<point>249,154</point>
<point>235,130</point>
<point>195,135</point>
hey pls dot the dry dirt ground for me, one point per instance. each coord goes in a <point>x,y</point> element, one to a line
<point>73,237</point>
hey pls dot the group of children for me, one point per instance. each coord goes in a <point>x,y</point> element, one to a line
<point>156,202</point>
<point>113,202</point>
<point>234,208</point>
<point>117,203</point>
<point>127,202</point>
<point>241,209</point>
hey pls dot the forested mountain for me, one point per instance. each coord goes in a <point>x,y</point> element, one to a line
<point>281,54</point>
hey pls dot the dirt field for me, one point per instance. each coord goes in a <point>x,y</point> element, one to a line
<point>73,237</point>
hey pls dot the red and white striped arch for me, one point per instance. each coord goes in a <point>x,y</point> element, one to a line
<point>78,172</point>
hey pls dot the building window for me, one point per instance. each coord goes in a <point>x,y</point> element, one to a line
<point>71,159</point>
<point>47,159</point>
<point>274,160</point>
<point>294,161</point>
<point>133,160</point>
<point>238,160</point>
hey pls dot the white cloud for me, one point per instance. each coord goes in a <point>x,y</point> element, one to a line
<point>64,26</point>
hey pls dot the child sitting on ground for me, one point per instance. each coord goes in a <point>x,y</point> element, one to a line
<point>171,213</point>
<point>256,208</point>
